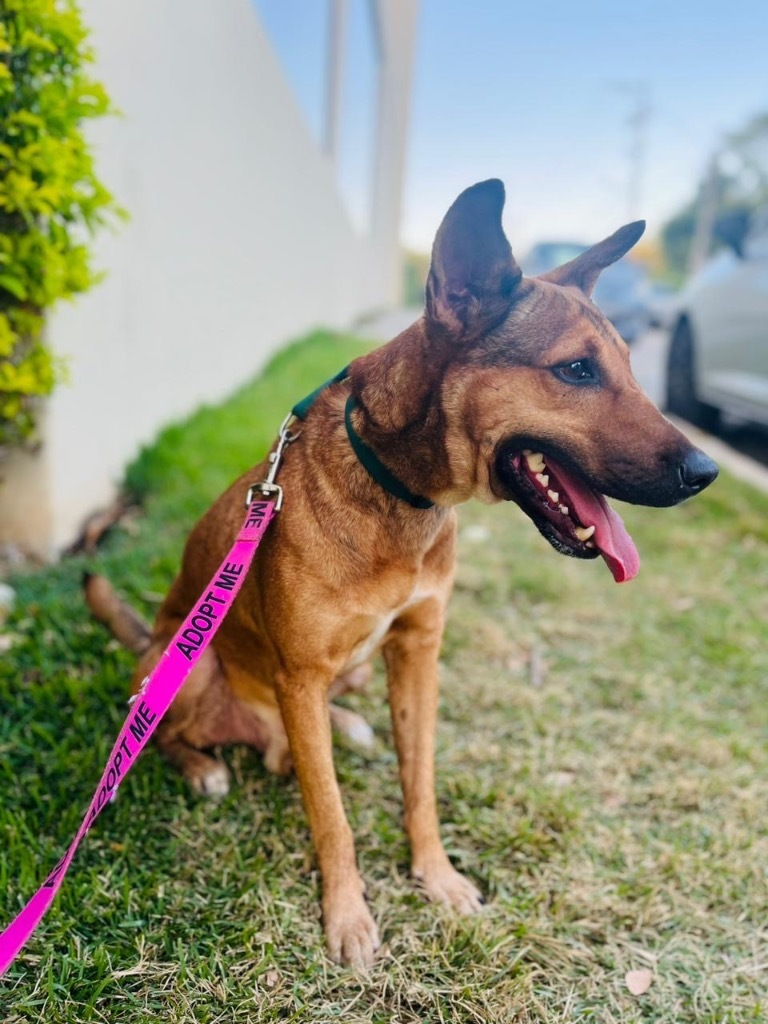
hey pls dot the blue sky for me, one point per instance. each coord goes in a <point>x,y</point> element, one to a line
<point>539,94</point>
<point>532,93</point>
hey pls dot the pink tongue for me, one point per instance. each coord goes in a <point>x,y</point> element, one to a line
<point>610,536</point>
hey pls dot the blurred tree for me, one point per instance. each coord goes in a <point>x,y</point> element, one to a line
<point>676,238</point>
<point>736,181</point>
<point>747,152</point>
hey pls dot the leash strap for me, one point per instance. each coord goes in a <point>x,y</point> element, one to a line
<point>149,706</point>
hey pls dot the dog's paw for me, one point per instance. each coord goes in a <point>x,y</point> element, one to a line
<point>442,883</point>
<point>352,681</point>
<point>353,726</point>
<point>210,779</point>
<point>350,932</point>
<point>277,757</point>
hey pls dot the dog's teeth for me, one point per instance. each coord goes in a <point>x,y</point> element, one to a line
<point>584,532</point>
<point>553,496</point>
<point>535,461</point>
<point>543,479</point>
<point>590,543</point>
<point>564,509</point>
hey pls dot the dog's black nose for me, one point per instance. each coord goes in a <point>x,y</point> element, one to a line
<point>697,472</point>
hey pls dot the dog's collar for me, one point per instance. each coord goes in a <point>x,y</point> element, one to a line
<point>365,454</point>
<point>368,458</point>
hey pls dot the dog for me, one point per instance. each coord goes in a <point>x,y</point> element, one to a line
<point>507,389</point>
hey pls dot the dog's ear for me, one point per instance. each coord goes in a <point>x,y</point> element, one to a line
<point>584,271</point>
<point>473,276</point>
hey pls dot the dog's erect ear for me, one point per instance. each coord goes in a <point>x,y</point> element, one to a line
<point>473,275</point>
<point>584,271</point>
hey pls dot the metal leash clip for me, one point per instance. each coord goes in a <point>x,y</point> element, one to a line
<point>268,486</point>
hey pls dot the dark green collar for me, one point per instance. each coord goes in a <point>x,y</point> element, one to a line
<point>365,454</point>
<point>301,409</point>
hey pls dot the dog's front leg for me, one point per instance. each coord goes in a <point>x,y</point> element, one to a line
<point>411,654</point>
<point>350,931</point>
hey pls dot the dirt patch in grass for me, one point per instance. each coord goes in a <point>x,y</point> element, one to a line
<point>602,774</point>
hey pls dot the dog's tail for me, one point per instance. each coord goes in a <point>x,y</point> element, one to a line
<point>124,622</point>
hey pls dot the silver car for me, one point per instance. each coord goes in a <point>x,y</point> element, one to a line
<point>718,352</point>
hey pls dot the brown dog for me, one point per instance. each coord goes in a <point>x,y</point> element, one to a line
<point>507,389</point>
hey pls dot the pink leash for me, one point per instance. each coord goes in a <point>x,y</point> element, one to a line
<point>160,687</point>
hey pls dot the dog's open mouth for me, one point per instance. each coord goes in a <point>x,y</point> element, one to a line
<point>575,519</point>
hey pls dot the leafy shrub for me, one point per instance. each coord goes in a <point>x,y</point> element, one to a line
<point>50,198</point>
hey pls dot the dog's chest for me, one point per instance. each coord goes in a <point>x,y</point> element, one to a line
<point>364,650</point>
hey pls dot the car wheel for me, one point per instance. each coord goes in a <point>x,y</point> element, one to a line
<point>681,381</point>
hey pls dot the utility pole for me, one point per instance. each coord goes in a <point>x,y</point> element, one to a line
<point>637,122</point>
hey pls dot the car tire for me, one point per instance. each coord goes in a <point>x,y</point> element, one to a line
<point>681,399</point>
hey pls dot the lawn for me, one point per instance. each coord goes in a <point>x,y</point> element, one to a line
<point>602,774</point>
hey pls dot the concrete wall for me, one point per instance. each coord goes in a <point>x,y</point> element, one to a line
<point>238,241</point>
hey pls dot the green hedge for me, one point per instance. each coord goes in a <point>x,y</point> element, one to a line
<point>50,198</point>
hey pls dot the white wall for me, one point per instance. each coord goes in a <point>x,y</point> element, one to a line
<point>238,240</point>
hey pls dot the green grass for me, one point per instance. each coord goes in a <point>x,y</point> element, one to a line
<point>602,773</point>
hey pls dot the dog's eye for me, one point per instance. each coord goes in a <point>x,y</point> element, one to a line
<point>579,372</point>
